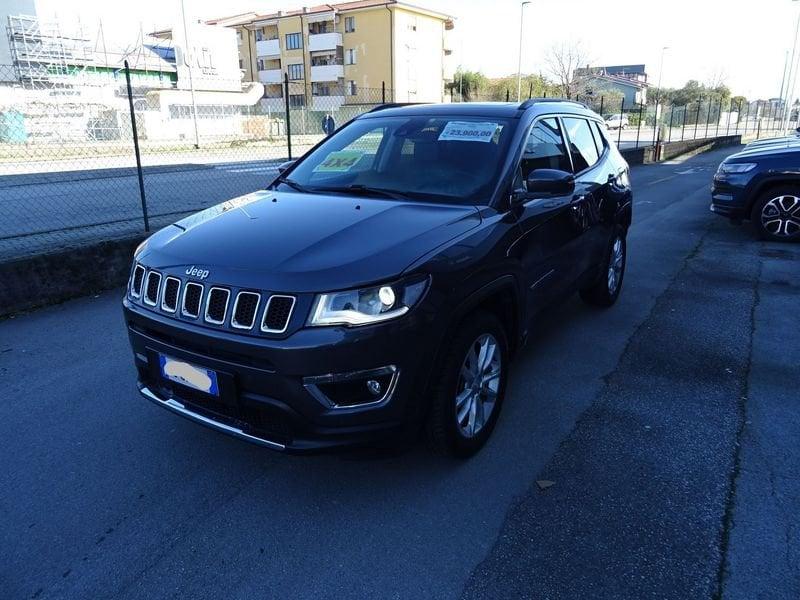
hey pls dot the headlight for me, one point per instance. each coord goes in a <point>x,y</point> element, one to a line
<point>367,305</point>
<point>737,167</point>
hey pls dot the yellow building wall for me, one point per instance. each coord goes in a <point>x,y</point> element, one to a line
<point>286,26</point>
<point>372,43</point>
<point>247,54</point>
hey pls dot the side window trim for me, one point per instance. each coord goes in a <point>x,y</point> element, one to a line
<point>598,138</point>
<point>569,145</point>
<point>534,123</point>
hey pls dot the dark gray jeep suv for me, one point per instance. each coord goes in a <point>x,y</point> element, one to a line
<point>383,282</point>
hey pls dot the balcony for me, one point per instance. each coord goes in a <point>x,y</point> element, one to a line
<point>270,76</point>
<point>326,72</point>
<point>268,48</point>
<point>326,103</point>
<point>324,41</point>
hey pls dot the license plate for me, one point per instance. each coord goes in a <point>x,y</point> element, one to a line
<point>192,376</point>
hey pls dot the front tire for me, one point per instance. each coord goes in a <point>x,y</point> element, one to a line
<point>776,214</point>
<point>605,291</point>
<point>469,391</point>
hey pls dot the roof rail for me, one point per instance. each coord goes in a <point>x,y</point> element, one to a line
<point>531,101</point>
<point>393,105</point>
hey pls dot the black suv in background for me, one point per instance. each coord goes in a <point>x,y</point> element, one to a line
<point>385,280</point>
<point>761,183</point>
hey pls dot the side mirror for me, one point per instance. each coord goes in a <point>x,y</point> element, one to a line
<point>285,165</point>
<point>549,182</point>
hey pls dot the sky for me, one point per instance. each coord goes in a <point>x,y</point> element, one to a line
<point>744,41</point>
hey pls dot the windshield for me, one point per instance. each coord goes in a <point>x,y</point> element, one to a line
<point>432,159</point>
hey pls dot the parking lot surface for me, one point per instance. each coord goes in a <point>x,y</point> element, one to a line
<point>667,425</point>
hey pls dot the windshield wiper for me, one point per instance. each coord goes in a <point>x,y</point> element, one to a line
<point>292,184</point>
<point>364,190</point>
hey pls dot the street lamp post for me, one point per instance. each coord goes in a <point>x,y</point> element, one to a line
<point>519,63</point>
<point>792,78</point>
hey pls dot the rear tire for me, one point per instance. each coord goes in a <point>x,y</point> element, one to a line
<point>605,291</point>
<point>471,384</point>
<point>776,214</point>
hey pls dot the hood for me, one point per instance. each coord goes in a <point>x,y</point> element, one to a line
<point>770,150</point>
<point>306,242</point>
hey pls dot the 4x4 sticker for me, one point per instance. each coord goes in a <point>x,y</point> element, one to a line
<point>467,131</point>
<point>340,161</point>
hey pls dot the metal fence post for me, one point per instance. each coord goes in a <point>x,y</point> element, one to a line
<point>655,124</point>
<point>288,117</point>
<point>639,129</point>
<point>136,148</point>
<point>683,126</point>
<point>507,95</point>
<point>621,112</point>
<point>530,90</point>
<point>697,119</point>
<point>383,92</point>
<point>708,117</point>
<point>728,124</point>
<point>602,100</point>
<point>746,118</point>
<point>669,131</point>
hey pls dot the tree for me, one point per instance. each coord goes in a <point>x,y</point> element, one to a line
<point>562,60</point>
<point>467,84</point>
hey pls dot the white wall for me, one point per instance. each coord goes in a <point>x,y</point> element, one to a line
<point>418,58</point>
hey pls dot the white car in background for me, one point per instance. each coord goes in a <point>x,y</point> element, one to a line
<point>616,121</point>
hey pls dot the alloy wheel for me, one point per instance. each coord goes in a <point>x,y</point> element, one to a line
<point>478,385</point>
<point>781,216</point>
<point>615,265</point>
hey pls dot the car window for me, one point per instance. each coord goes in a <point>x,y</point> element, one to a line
<point>452,159</point>
<point>544,149</point>
<point>600,140</point>
<point>582,145</point>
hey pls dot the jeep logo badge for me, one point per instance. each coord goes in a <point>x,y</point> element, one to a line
<point>195,272</point>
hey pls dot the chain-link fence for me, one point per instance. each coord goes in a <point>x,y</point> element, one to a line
<point>69,170</point>
<point>634,125</point>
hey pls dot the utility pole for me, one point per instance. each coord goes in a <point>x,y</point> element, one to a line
<point>790,82</point>
<point>187,61</point>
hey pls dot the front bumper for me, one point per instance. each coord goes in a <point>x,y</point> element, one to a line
<point>264,396</point>
<point>728,196</point>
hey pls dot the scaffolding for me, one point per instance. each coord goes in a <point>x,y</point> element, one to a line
<point>44,55</point>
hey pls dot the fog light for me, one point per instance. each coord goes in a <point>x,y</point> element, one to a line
<point>353,389</point>
<point>374,387</point>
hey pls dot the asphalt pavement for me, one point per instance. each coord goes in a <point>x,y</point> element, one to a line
<point>667,425</point>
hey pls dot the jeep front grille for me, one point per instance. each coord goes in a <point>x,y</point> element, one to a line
<point>217,305</point>
<point>277,314</point>
<point>192,297</point>
<point>136,282</point>
<point>169,293</point>
<point>151,288</point>
<point>169,299</point>
<point>244,310</point>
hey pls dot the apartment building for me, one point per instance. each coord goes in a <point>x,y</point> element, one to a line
<point>344,53</point>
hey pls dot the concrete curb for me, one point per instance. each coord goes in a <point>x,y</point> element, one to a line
<point>37,281</point>
<point>670,150</point>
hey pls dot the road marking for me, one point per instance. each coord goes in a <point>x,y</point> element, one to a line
<point>663,179</point>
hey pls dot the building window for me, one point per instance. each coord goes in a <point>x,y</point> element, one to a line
<point>294,41</point>
<point>241,63</point>
<point>296,71</point>
<point>349,24</point>
<point>259,35</point>
<point>239,36</point>
<point>260,64</point>
<point>352,89</point>
<point>320,89</point>
<point>297,100</point>
<point>350,56</point>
